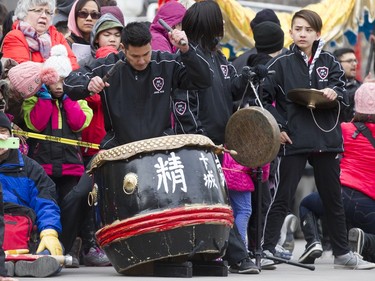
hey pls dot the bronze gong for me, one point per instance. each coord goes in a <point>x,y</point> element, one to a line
<point>311,98</point>
<point>254,134</point>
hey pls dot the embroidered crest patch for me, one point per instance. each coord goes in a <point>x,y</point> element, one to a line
<point>322,72</point>
<point>158,83</point>
<point>180,107</point>
<point>224,69</point>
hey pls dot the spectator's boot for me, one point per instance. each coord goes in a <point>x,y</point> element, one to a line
<point>9,267</point>
<point>313,248</point>
<point>41,267</point>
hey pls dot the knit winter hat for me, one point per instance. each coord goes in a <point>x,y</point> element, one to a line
<point>264,15</point>
<point>268,37</point>
<point>5,122</point>
<point>26,78</point>
<point>63,8</point>
<point>108,25</point>
<point>59,61</point>
<point>364,99</point>
<point>106,21</point>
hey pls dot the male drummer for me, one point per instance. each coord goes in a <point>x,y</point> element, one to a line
<point>308,135</point>
<point>136,98</point>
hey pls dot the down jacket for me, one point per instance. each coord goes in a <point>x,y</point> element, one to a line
<point>25,183</point>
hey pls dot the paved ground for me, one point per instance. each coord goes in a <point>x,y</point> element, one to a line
<point>324,271</point>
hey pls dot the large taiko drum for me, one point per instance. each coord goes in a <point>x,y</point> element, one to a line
<point>161,199</point>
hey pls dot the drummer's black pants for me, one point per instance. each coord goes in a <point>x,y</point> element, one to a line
<point>236,250</point>
<point>327,179</point>
<point>74,209</point>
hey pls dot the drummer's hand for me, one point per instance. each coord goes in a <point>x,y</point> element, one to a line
<point>329,94</point>
<point>176,36</point>
<point>284,138</point>
<point>97,84</point>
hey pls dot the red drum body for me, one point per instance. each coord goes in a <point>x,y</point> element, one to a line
<point>168,204</point>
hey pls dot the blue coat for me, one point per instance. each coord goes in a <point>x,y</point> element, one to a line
<point>25,183</point>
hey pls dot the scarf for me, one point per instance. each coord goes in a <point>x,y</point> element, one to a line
<point>41,43</point>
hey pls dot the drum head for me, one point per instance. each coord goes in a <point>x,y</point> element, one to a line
<point>253,132</point>
<point>311,98</point>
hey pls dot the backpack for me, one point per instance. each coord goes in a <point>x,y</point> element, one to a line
<point>20,229</point>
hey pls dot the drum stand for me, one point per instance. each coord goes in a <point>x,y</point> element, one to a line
<point>259,227</point>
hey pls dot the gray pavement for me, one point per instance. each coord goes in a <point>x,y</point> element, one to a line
<point>323,271</point>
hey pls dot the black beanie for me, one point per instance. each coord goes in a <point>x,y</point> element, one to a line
<point>5,122</point>
<point>262,16</point>
<point>268,37</point>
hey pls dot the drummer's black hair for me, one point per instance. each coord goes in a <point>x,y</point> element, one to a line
<point>203,24</point>
<point>136,34</point>
<point>311,17</point>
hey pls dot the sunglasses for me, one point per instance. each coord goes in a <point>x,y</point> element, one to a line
<point>85,15</point>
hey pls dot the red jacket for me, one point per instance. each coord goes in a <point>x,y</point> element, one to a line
<point>358,161</point>
<point>15,46</point>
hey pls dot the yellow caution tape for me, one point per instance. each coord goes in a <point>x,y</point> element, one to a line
<point>56,139</point>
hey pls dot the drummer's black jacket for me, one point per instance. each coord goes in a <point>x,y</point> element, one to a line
<point>207,111</point>
<point>315,130</point>
<point>137,104</point>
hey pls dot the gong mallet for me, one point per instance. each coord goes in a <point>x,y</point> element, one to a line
<point>169,29</point>
<point>281,260</point>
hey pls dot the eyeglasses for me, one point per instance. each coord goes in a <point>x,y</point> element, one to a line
<point>350,61</point>
<point>85,15</point>
<point>40,12</point>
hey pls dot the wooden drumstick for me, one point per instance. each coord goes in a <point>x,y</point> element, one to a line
<point>169,29</point>
<point>111,71</point>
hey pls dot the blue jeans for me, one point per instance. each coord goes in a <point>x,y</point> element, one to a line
<point>241,205</point>
<point>359,210</point>
<point>311,203</point>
